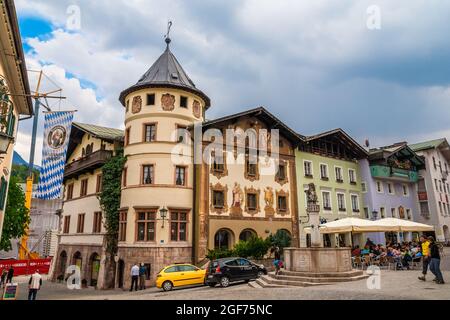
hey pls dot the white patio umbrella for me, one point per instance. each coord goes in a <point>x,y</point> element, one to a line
<point>347,225</point>
<point>400,225</point>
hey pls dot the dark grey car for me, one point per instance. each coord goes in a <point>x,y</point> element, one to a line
<point>226,270</point>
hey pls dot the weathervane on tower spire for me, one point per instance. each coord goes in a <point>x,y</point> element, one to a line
<point>169,25</point>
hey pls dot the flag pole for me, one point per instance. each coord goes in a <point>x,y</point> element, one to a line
<point>24,252</point>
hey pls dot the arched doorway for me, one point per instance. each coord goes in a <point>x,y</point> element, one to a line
<point>446,233</point>
<point>247,234</point>
<point>121,270</point>
<point>223,239</point>
<point>95,268</point>
<point>285,234</point>
<point>62,263</point>
<point>77,259</point>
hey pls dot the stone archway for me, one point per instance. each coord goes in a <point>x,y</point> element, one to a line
<point>247,234</point>
<point>286,232</point>
<point>224,239</point>
<point>77,259</point>
<point>62,264</point>
<point>121,273</point>
<point>94,266</point>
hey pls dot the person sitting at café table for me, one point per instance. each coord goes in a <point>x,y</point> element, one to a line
<point>369,243</point>
<point>406,257</point>
<point>356,251</point>
<point>376,250</point>
<point>390,252</point>
<point>365,251</point>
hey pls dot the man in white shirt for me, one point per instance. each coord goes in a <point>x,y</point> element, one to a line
<point>34,285</point>
<point>134,277</point>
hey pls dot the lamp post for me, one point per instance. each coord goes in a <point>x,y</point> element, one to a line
<point>163,215</point>
<point>374,215</point>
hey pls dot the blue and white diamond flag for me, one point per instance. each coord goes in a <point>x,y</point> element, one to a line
<point>56,140</point>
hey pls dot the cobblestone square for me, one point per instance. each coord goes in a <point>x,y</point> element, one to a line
<point>399,284</point>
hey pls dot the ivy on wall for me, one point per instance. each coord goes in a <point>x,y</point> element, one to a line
<point>109,199</point>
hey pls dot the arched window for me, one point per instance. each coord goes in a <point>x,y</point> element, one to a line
<point>77,260</point>
<point>247,234</point>
<point>286,232</point>
<point>89,149</point>
<point>95,268</point>
<point>62,262</point>
<point>223,239</point>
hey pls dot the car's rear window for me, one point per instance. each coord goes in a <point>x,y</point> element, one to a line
<point>213,265</point>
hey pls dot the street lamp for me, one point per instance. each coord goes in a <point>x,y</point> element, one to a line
<point>5,141</point>
<point>163,214</point>
<point>374,214</point>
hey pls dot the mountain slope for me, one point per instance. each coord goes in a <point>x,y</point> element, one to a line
<point>18,160</point>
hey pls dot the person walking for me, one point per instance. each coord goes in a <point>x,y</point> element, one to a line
<point>425,245</point>
<point>435,261</point>
<point>134,277</point>
<point>142,274</point>
<point>3,275</point>
<point>10,275</point>
<point>277,260</point>
<point>34,285</point>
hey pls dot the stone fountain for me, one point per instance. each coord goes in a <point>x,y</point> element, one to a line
<point>314,265</point>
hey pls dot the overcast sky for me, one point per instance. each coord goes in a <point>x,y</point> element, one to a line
<point>317,65</point>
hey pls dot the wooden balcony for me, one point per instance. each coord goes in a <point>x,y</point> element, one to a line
<point>87,164</point>
<point>392,173</point>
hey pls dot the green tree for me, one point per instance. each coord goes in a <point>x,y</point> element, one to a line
<point>16,218</point>
<point>254,248</point>
<point>110,199</point>
<point>219,253</point>
<point>258,247</point>
<point>21,172</point>
<point>281,239</point>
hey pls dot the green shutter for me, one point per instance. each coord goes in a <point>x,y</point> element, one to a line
<point>3,186</point>
<point>11,125</point>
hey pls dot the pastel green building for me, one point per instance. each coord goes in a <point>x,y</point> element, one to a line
<point>330,161</point>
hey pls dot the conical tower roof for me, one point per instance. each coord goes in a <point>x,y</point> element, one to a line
<point>166,72</point>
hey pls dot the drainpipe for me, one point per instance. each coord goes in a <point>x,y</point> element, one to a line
<point>194,214</point>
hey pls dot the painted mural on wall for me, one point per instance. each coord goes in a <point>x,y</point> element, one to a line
<point>136,105</point>
<point>168,102</point>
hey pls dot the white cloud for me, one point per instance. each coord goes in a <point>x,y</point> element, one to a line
<point>84,100</point>
<point>312,63</point>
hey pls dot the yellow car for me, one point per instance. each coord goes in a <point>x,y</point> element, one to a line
<point>177,275</point>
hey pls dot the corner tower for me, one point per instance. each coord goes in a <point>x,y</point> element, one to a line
<point>163,101</point>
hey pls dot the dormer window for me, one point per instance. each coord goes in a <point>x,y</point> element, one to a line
<point>183,102</point>
<point>89,149</point>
